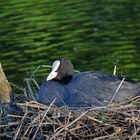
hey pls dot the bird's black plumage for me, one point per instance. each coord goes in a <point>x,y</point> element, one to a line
<point>86,88</point>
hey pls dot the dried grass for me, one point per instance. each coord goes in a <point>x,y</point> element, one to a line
<point>38,121</point>
<point>32,120</point>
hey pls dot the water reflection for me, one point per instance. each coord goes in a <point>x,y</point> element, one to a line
<point>93,34</point>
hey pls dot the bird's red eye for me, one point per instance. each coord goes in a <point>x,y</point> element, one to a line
<point>61,67</point>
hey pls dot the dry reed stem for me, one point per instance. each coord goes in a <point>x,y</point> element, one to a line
<point>43,118</point>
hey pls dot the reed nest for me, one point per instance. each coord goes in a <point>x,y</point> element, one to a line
<point>26,119</point>
<point>32,120</point>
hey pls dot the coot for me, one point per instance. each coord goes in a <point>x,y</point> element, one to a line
<point>84,88</point>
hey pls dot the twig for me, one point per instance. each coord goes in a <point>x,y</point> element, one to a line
<point>19,127</point>
<point>109,136</point>
<point>116,91</point>
<point>37,68</point>
<point>64,128</point>
<point>115,69</point>
<point>134,135</point>
<point>43,118</point>
<point>30,89</point>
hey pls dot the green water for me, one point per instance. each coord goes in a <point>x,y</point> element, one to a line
<point>94,34</point>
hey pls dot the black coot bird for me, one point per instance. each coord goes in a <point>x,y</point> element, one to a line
<point>84,88</point>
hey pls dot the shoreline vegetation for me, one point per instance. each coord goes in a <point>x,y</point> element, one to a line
<point>25,118</point>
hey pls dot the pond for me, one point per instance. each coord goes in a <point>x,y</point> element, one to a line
<point>94,34</point>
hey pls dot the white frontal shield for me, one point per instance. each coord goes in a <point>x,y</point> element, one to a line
<point>53,73</point>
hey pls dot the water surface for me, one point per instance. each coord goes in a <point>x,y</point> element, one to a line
<point>94,34</point>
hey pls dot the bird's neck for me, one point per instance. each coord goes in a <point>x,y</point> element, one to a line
<point>65,80</point>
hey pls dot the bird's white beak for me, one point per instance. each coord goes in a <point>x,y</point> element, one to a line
<point>53,73</point>
<point>51,76</point>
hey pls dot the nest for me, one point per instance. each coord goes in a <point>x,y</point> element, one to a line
<point>27,119</point>
<point>38,121</point>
